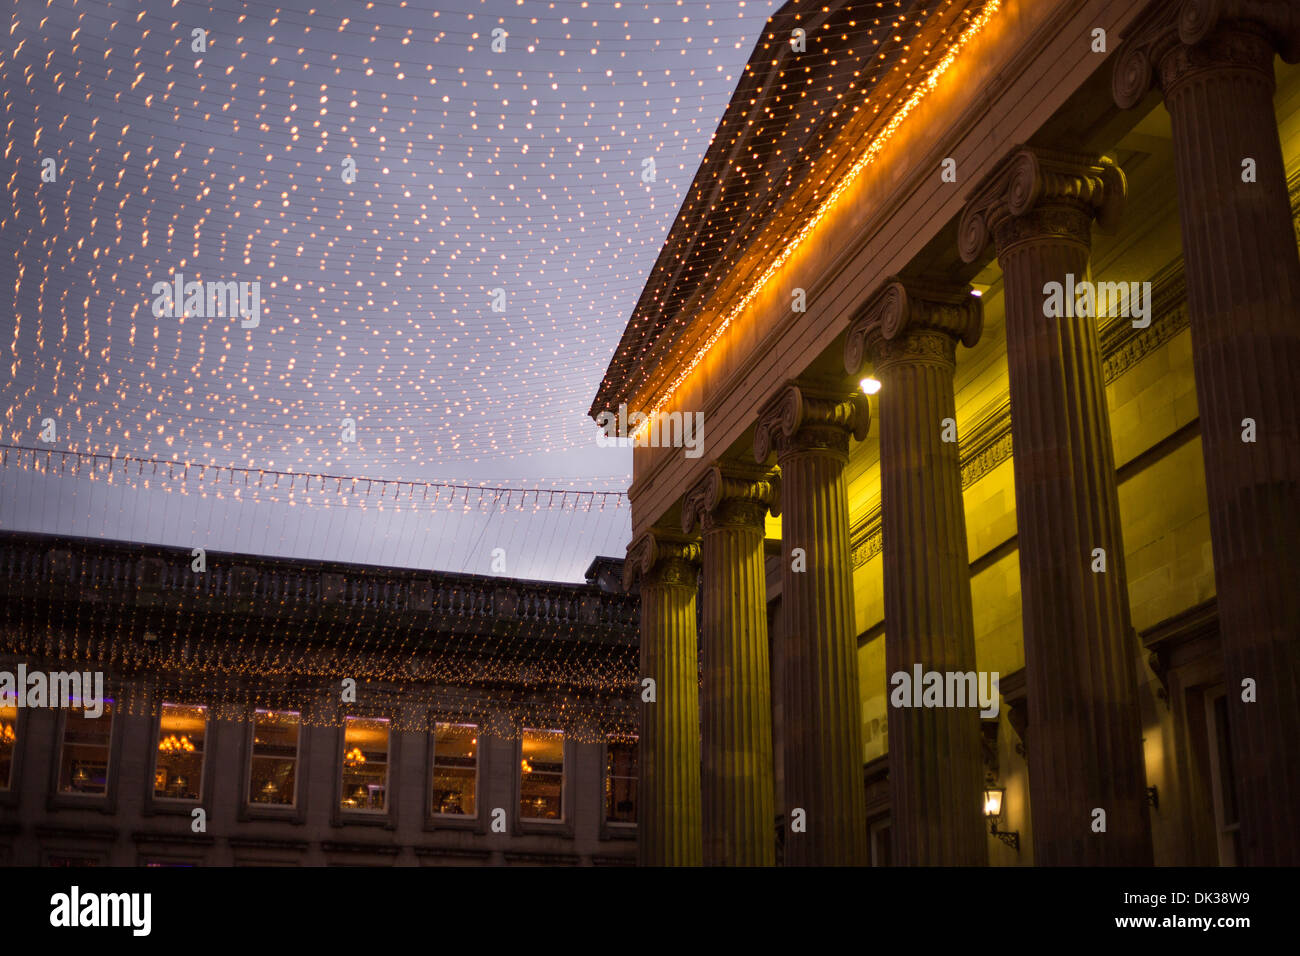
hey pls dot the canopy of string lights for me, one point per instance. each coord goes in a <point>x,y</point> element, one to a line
<point>403,239</point>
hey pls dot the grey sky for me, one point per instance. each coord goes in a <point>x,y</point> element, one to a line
<point>475,171</point>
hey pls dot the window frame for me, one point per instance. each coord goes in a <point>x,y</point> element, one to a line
<point>538,825</point>
<point>618,829</point>
<point>1225,834</point>
<point>105,802</point>
<point>295,812</point>
<point>181,806</point>
<point>346,816</point>
<point>451,821</point>
<point>9,793</point>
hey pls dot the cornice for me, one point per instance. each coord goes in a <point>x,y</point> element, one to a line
<point>797,203</point>
<point>973,116</point>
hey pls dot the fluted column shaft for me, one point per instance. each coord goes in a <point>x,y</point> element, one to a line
<point>1243,303</point>
<point>668,785</point>
<point>824,786</point>
<point>935,757</point>
<point>1085,749</point>
<point>738,789</point>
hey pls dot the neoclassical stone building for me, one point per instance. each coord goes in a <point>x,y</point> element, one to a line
<point>490,721</point>
<point>1091,490</point>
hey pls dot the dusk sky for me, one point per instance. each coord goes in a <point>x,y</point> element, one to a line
<point>514,179</point>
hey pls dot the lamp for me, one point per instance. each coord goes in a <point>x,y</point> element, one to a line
<point>870,385</point>
<point>993,809</point>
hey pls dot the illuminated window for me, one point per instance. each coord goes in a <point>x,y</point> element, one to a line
<point>455,769</point>
<point>83,767</point>
<point>365,764</point>
<point>273,772</point>
<point>620,780</point>
<point>541,775</point>
<point>8,741</point>
<point>178,770</point>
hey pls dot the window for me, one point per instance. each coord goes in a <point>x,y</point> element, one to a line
<point>8,742</point>
<point>455,769</point>
<point>881,850</point>
<point>620,780</point>
<point>273,769</point>
<point>541,775</point>
<point>1223,779</point>
<point>83,766</point>
<point>365,764</point>
<point>178,772</point>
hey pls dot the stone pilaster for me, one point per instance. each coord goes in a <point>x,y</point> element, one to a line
<point>730,504</point>
<point>668,786</point>
<point>810,429</point>
<point>1213,61</point>
<point>911,329</point>
<point>1085,740</point>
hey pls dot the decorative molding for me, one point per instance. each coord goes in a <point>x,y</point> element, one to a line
<point>1174,40</point>
<point>911,319</point>
<point>660,556</point>
<point>802,418</point>
<point>732,495</point>
<point>1035,193</point>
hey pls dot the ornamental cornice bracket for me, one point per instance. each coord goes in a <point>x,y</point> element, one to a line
<point>658,553</point>
<point>732,493</point>
<point>903,307</point>
<point>797,410</point>
<point>1032,178</point>
<point>1174,26</point>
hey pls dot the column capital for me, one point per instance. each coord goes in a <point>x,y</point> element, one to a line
<point>661,556</point>
<point>803,418</point>
<point>732,495</point>
<point>914,321</point>
<point>1174,40</point>
<point>1038,193</point>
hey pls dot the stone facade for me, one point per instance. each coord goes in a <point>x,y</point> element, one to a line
<point>484,665</point>
<point>1097,504</point>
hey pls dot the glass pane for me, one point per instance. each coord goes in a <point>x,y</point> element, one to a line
<point>178,773</point>
<point>541,775</point>
<point>8,741</point>
<point>455,769</point>
<point>365,764</point>
<point>272,775</point>
<point>620,781</point>
<point>83,767</point>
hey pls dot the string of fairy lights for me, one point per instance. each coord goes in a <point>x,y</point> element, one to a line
<point>915,50</point>
<point>461,156</point>
<point>419,649</point>
<point>434,224</point>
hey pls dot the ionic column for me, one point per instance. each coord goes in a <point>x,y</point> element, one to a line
<point>668,785</point>
<point>1214,64</point>
<point>935,761</point>
<point>737,785</point>
<point>810,430</point>
<point>1085,741</point>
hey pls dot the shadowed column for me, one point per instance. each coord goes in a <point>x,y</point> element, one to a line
<point>810,430</point>
<point>668,749</point>
<point>731,503</point>
<point>1085,732</point>
<point>911,330</point>
<point>1214,63</point>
